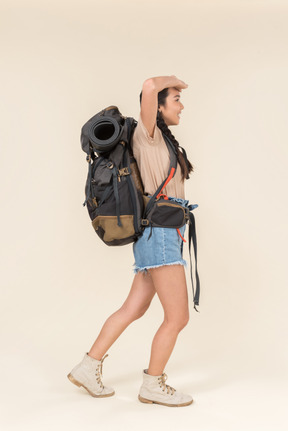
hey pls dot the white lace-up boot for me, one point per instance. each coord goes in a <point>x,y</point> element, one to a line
<point>154,390</point>
<point>88,374</point>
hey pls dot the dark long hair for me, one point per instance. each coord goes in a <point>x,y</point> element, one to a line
<point>186,166</point>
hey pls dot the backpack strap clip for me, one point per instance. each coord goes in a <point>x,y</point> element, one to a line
<point>110,165</point>
<point>124,171</point>
<point>145,222</point>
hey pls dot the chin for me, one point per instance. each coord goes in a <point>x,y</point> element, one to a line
<point>174,123</point>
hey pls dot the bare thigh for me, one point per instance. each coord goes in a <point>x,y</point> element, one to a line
<point>140,296</point>
<point>171,287</point>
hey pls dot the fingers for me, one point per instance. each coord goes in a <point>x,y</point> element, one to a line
<point>179,83</point>
<point>180,87</point>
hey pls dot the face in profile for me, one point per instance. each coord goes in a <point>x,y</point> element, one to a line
<point>173,107</point>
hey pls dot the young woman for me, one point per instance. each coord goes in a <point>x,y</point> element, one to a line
<point>159,266</point>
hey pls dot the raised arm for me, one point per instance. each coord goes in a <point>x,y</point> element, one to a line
<point>149,101</point>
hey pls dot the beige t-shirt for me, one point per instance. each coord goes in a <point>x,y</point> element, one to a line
<point>152,156</point>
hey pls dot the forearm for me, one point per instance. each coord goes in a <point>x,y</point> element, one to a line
<point>158,83</point>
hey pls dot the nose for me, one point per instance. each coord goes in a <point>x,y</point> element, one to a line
<point>182,106</point>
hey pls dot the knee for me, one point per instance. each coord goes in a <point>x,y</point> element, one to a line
<point>179,322</point>
<point>185,321</point>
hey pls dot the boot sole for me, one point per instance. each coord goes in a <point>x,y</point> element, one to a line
<point>145,400</point>
<point>71,378</point>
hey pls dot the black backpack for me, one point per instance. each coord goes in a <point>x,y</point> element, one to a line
<point>118,208</point>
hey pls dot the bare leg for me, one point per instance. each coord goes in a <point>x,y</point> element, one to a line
<point>135,305</point>
<point>171,287</point>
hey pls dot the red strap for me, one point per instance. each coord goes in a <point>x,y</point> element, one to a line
<point>163,194</point>
<point>181,235</point>
<point>166,182</point>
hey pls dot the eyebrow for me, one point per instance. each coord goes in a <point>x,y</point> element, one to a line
<point>178,95</point>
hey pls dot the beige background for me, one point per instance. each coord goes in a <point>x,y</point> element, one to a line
<point>61,63</point>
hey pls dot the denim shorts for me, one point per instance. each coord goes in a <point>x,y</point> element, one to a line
<point>165,246</point>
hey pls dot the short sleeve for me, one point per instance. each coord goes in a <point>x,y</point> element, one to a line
<point>141,133</point>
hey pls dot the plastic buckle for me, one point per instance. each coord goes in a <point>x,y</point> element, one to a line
<point>145,222</point>
<point>124,171</point>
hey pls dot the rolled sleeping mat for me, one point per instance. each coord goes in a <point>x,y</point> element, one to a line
<point>103,132</point>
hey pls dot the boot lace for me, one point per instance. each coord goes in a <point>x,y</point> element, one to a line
<point>162,379</point>
<point>99,372</point>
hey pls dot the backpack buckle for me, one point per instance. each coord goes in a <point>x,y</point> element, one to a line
<point>145,222</point>
<point>110,165</point>
<point>124,171</point>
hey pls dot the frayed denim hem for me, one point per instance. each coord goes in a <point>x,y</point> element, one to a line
<point>144,269</point>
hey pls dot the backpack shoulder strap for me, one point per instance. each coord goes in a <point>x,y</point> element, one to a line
<point>171,173</point>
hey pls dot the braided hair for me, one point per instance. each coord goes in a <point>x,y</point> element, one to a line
<point>184,163</point>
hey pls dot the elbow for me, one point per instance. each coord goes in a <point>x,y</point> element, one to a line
<point>149,84</point>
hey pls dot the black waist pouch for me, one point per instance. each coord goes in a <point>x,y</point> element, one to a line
<point>166,213</point>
